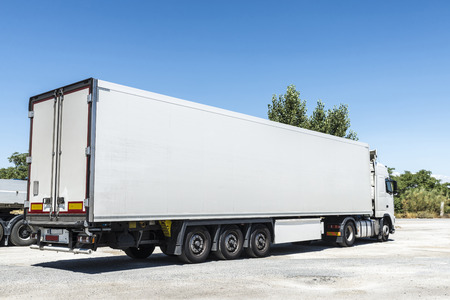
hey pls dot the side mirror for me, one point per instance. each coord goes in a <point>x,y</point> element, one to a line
<point>391,186</point>
<point>395,187</point>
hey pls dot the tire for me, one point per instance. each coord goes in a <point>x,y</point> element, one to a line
<point>196,246</point>
<point>349,235</point>
<point>140,252</point>
<point>21,234</point>
<point>231,242</point>
<point>384,232</point>
<point>259,244</point>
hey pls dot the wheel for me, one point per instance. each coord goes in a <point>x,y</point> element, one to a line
<point>259,244</point>
<point>349,235</point>
<point>384,232</point>
<point>141,252</point>
<point>21,234</point>
<point>197,244</point>
<point>231,243</point>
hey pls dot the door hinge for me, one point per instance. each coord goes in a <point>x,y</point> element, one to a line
<point>89,98</point>
<point>86,202</point>
<point>88,150</point>
<point>28,160</point>
<point>30,114</point>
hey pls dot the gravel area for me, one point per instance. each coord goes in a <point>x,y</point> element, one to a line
<point>414,263</point>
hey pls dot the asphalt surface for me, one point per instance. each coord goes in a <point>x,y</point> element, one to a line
<point>414,263</point>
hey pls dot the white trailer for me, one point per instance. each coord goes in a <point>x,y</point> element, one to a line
<point>116,166</point>
<point>13,229</point>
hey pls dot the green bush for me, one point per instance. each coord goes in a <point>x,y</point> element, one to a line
<point>398,205</point>
<point>426,215</point>
<point>421,200</point>
<point>447,208</point>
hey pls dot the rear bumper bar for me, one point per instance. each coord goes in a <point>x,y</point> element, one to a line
<point>62,249</point>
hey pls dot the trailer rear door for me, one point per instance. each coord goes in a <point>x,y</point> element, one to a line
<point>59,148</point>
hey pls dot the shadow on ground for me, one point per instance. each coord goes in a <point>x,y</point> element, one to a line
<point>98,265</point>
<point>295,248</point>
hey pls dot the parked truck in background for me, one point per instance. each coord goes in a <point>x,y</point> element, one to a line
<point>129,169</point>
<point>12,224</point>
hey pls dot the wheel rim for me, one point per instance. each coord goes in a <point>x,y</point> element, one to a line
<point>261,241</point>
<point>349,233</point>
<point>197,244</point>
<point>24,232</point>
<point>385,230</point>
<point>231,242</point>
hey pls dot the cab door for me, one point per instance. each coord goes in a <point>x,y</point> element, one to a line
<point>384,201</point>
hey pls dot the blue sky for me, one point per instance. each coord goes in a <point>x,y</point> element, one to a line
<point>388,60</point>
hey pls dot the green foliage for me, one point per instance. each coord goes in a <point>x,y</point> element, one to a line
<point>447,208</point>
<point>290,109</point>
<point>338,121</point>
<point>420,194</point>
<point>19,171</point>
<point>424,215</point>
<point>421,200</point>
<point>398,205</point>
<point>421,179</point>
<point>318,120</point>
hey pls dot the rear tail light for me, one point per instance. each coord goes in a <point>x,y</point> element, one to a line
<point>331,233</point>
<point>334,226</point>
<point>85,239</point>
<point>52,238</point>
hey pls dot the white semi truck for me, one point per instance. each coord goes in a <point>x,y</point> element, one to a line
<point>121,167</point>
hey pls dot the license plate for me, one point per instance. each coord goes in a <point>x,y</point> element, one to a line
<point>56,231</point>
<point>56,235</point>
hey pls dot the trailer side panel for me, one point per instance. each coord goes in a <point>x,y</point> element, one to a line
<point>158,157</point>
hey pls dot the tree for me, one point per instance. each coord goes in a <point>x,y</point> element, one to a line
<point>318,120</point>
<point>339,122</point>
<point>290,109</point>
<point>20,169</point>
<point>421,179</point>
<point>391,171</point>
<point>419,192</point>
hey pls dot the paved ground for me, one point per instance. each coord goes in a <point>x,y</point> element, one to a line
<point>415,263</point>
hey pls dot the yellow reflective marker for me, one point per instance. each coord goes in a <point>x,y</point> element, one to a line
<point>75,205</point>
<point>36,206</point>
